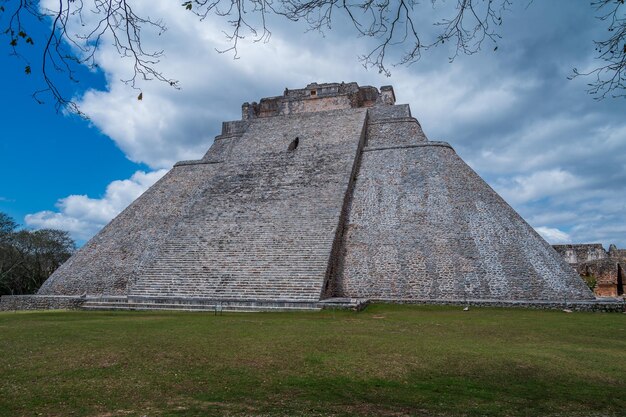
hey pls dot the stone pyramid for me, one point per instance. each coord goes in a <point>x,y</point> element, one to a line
<point>330,192</point>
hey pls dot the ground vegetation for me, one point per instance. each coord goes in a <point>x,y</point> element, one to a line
<point>388,360</point>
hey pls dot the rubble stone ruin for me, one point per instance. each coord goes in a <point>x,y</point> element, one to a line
<point>604,270</point>
<point>326,195</point>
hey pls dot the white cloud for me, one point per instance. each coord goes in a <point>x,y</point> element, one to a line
<point>83,216</point>
<point>554,153</point>
<point>169,125</point>
<point>553,235</point>
<point>538,185</point>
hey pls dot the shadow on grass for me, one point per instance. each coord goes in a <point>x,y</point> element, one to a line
<point>387,360</point>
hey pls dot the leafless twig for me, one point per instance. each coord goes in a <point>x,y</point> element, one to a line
<point>610,76</point>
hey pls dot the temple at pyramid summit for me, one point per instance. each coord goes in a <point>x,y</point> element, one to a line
<point>329,195</point>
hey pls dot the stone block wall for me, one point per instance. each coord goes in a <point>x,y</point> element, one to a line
<point>263,226</point>
<point>574,254</point>
<point>315,98</point>
<point>606,273</point>
<point>39,302</point>
<point>113,258</point>
<point>223,143</point>
<point>337,193</point>
<point>423,225</point>
<point>593,262</point>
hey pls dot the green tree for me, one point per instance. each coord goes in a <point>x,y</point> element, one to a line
<point>28,258</point>
<point>7,226</point>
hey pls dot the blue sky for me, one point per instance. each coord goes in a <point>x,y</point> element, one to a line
<point>555,154</point>
<point>44,155</point>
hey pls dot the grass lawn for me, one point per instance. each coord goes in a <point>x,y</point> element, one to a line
<point>387,360</point>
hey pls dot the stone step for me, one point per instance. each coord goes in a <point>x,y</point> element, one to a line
<point>260,285</point>
<point>196,304</point>
<point>238,287</point>
<point>303,297</point>
<point>177,307</point>
<point>189,283</point>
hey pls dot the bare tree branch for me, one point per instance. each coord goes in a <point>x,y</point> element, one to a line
<point>610,76</point>
<point>397,26</point>
<point>65,50</point>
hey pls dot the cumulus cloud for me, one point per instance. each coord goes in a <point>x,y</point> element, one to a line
<point>169,125</point>
<point>83,216</point>
<point>538,185</point>
<point>555,154</point>
<point>553,235</point>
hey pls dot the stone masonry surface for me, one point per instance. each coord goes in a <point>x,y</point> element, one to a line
<point>40,302</point>
<point>114,257</point>
<point>324,192</point>
<point>423,225</point>
<point>607,268</point>
<point>263,226</point>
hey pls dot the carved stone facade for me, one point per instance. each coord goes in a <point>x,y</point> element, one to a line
<point>606,270</point>
<point>328,192</point>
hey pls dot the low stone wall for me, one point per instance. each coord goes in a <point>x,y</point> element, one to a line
<point>40,302</point>
<point>606,306</point>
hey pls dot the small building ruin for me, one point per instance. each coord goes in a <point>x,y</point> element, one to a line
<point>603,270</point>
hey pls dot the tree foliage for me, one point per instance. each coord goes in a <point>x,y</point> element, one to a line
<point>28,258</point>
<point>7,226</point>
<point>395,24</point>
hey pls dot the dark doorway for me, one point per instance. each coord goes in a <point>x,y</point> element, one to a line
<point>620,280</point>
<point>294,144</point>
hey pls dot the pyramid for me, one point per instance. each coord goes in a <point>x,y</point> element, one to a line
<point>330,192</point>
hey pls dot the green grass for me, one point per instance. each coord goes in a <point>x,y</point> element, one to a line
<point>387,360</point>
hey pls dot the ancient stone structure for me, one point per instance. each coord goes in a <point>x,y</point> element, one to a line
<point>605,269</point>
<point>326,195</point>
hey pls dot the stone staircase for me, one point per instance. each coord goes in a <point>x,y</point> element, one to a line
<point>262,228</point>
<point>255,261</point>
